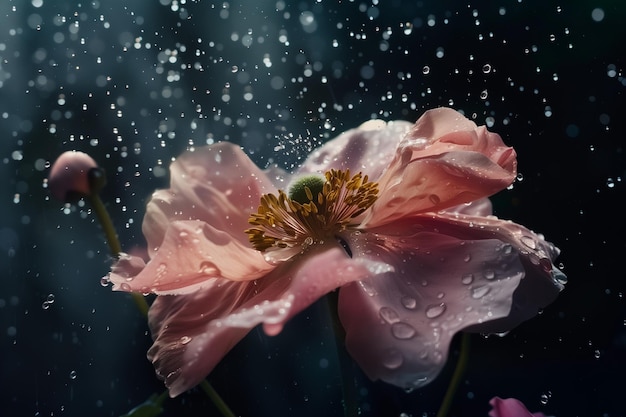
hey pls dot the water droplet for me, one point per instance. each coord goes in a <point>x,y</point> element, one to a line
<point>435,310</point>
<point>184,340</point>
<point>389,315</point>
<point>105,281</point>
<point>486,68</point>
<point>434,198</point>
<point>489,274</point>
<point>425,70</point>
<point>529,242</point>
<point>408,302</point>
<point>467,258</point>
<point>369,290</point>
<point>208,268</point>
<point>392,359</point>
<point>45,305</point>
<point>484,94</point>
<point>596,354</point>
<point>50,298</point>
<point>73,375</point>
<point>480,292</point>
<point>402,330</point>
<point>467,279</point>
<point>125,287</point>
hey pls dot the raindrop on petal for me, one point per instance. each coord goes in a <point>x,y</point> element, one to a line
<point>529,241</point>
<point>435,310</point>
<point>480,292</point>
<point>402,330</point>
<point>408,302</point>
<point>389,315</point>
<point>467,279</point>
<point>392,359</point>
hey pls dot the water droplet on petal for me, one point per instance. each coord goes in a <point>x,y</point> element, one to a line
<point>467,279</point>
<point>408,302</point>
<point>489,274</point>
<point>389,315</point>
<point>434,198</point>
<point>392,359</point>
<point>208,268</point>
<point>402,330</point>
<point>435,310</point>
<point>529,241</point>
<point>467,258</point>
<point>480,292</point>
<point>184,340</point>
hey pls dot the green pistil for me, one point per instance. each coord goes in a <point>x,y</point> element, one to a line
<point>306,189</point>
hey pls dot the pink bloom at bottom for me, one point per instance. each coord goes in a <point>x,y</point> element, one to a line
<point>399,222</point>
<point>510,407</point>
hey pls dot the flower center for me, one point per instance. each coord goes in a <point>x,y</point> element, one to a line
<point>316,209</point>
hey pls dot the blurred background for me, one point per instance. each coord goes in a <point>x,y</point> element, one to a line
<point>135,83</point>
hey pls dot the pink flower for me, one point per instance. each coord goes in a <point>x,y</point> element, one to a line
<point>510,407</point>
<point>416,254</point>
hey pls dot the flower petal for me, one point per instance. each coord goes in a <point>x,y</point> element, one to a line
<point>510,407</point>
<point>191,253</point>
<point>399,325</point>
<point>217,184</point>
<point>193,332</point>
<point>445,160</point>
<point>369,149</point>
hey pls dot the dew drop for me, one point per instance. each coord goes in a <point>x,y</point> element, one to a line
<point>484,94</point>
<point>486,68</point>
<point>408,302</point>
<point>489,274</point>
<point>467,258</point>
<point>426,70</point>
<point>434,198</point>
<point>435,310</point>
<point>105,281</point>
<point>208,268</point>
<point>392,359</point>
<point>73,375</point>
<point>402,330</point>
<point>480,292</point>
<point>184,340</point>
<point>529,242</point>
<point>467,279</point>
<point>389,315</point>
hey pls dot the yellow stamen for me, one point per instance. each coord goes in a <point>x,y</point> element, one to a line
<point>281,222</point>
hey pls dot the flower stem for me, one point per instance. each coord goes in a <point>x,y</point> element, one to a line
<point>456,376</point>
<point>350,405</point>
<point>114,243</point>
<point>217,400</point>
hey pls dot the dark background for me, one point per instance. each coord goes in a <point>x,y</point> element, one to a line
<point>135,83</point>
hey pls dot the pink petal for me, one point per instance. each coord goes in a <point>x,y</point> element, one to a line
<point>193,332</point>
<point>445,279</point>
<point>369,149</point>
<point>191,253</point>
<point>510,407</point>
<point>217,184</point>
<point>444,161</point>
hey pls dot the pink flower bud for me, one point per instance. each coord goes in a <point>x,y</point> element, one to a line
<point>70,177</point>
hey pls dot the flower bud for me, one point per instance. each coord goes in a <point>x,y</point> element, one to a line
<point>75,175</point>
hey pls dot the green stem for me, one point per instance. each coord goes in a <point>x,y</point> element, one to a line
<point>217,400</point>
<point>456,376</point>
<point>116,248</point>
<point>114,243</point>
<point>350,404</point>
